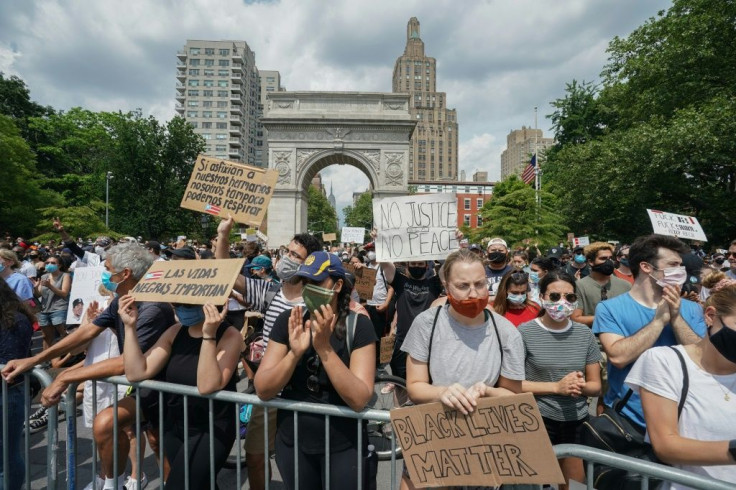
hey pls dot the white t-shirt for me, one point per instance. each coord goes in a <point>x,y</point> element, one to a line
<point>706,415</point>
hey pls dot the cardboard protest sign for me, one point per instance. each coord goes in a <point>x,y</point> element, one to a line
<point>219,187</point>
<point>86,287</point>
<point>352,235</point>
<point>677,225</point>
<point>365,280</point>
<point>580,241</point>
<point>194,282</point>
<point>387,348</point>
<point>415,227</point>
<point>329,237</point>
<point>502,441</point>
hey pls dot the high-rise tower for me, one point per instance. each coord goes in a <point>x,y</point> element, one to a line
<point>434,144</point>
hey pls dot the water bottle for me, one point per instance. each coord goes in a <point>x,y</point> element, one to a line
<point>370,468</point>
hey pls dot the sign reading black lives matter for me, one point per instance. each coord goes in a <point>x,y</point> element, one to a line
<point>502,441</point>
<point>415,227</point>
<point>194,282</point>
<point>220,187</point>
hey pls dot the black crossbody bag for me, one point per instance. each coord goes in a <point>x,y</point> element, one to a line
<point>613,431</point>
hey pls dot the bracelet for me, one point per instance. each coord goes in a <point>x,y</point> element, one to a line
<point>209,338</point>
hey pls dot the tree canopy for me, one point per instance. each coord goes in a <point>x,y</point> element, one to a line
<point>321,216</point>
<point>360,215</point>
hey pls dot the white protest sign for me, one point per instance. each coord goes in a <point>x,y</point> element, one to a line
<point>580,241</point>
<point>418,227</point>
<point>677,225</point>
<point>86,287</point>
<point>352,235</point>
<point>262,237</point>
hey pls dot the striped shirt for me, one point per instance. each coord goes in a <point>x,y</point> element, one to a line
<point>256,292</point>
<point>553,354</point>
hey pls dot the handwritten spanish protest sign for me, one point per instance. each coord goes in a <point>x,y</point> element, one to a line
<point>194,282</point>
<point>220,187</point>
<point>415,227</point>
<point>86,287</point>
<point>352,235</point>
<point>502,441</point>
<point>365,280</point>
<point>676,225</point>
<point>329,237</point>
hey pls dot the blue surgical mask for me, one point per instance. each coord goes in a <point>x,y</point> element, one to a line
<point>51,268</point>
<point>579,259</point>
<point>106,281</point>
<point>624,261</point>
<point>2,267</point>
<point>517,299</point>
<point>189,315</point>
<point>534,277</point>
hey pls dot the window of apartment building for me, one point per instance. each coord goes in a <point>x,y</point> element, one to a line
<point>223,62</point>
<point>270,79</point>
<point>206,125</point>
<point>207,103</point>
<point>209,72</point>
<point>193,103</point>
<point>207,136</point>
<point>224,52</point>
<point>466,219</point>
<point>209,83</point>
<point>222,93</point>
<point>480,220</point>
<point>194,72</point>
<point>193,50</point>
<point>193,83</point>
<point>192,113</point>
<point>193,93</point>
<point>222,83</point>
<point>479,202</point>
<point>221,136</point>
<point>223,73</point>
<point>209,62</point>
<point>269,89</point>
<point>193,61</point>
<point>209,51</point>
<point>220,148</point>
<point>208,93</point>
<point>221,104</point>
<point>206,113</point>
<point>221,125</point>
<point>221,114</point>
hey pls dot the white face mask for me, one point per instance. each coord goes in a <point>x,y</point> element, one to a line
<point>672,276</point>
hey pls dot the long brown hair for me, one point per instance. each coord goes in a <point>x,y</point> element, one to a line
<point>500,302</point>
<point>722,293</point>
<point>10,303</point>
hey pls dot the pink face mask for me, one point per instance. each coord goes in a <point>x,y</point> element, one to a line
<point>672,276</point>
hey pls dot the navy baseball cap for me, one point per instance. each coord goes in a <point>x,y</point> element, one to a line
<point>321,265</point>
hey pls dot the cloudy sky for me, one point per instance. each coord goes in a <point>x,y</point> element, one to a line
<point>496,59</point>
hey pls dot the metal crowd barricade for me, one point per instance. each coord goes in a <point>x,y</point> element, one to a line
<point>53,440</point>
<point>646,469</point>
<point>237,399</point>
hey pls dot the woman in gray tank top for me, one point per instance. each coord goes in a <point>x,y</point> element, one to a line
<point>53,288</point>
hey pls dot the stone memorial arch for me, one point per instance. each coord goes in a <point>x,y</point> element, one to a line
<point>308,131</point>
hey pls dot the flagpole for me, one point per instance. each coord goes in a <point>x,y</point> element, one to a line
<point>536,167</point>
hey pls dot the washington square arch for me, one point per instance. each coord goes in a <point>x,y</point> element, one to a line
<point>308,131</point>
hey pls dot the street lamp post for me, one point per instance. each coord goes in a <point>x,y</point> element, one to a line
<point>107,199</point>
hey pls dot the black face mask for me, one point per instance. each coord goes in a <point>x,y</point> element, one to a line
<point>606,268</point>
<point>417,272</point>
<point>724,341</point>
<point>497,257</point>
<point>720,261</point>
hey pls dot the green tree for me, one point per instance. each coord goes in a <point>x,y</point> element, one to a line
<point>15,101</point>
<point>360,215</point>
<point>321,216</point>
<point>514,215</point>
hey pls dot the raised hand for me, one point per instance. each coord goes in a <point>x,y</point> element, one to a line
<point>226,224</point>
<point>300,335</point>
<point>128,311</point>
<point>322,325</point>
<point>212,319</point>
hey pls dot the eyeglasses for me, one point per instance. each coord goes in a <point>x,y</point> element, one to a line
<point>295,255</point>
<point>731,254</point>
<point>569,297</point>
<point>604,294</point>
<point>313,380</point>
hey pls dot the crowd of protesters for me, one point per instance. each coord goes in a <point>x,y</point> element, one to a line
<point>569,325</point>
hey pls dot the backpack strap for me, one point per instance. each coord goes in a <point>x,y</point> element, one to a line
<point>685,381</point>
<point>495,327</point>
<point>350,323</point>
<point>271,292</point>
<point>431,335</point>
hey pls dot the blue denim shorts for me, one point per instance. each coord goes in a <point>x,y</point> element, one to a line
<point>52,318</point>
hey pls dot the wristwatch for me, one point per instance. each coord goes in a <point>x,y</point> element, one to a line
<point>732,448</point>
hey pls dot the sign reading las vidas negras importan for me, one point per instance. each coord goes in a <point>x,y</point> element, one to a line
<point>195,282</point>
<point>222,188</point>
<point>415,227</point>
<point>502,441</point>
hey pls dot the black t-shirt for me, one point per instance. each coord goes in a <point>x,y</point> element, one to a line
<point>572,270</point>
<point>413,296</point>
<point>153,320</point>
<point>494,276</point>
<point>343,433</point>
<point>182,369</point>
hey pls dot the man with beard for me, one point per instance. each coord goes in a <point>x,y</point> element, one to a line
<point>270,298</point>
<point>599,285</point>
<point>498,263</point>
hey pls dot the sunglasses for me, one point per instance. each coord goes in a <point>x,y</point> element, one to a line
<point>569,297</point>
<point>313,369</point>
<point>731,254</point>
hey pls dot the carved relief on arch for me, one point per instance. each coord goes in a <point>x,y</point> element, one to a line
<point>373,157</point>
<point>394,168</point>
<point>281,161</point>
<point>302,156</point>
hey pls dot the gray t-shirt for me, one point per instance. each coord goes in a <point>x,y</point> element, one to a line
<point>465,355</point>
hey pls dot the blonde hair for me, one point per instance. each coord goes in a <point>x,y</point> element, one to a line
<point>722,293</point>
<point>10,255</point>
<point>591,251</point>
<point>462,255</point>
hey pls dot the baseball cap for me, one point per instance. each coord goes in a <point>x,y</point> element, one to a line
<point>186,252</point>
<point>497,241</point>
<point>555,252</point>
<point>260,261</point>
<point>321,265</point>
<point>474,246</point>
<point>693,264</point>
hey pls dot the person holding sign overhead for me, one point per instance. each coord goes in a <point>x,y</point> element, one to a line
<point>460,352</point>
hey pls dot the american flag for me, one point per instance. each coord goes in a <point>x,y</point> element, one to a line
<point>209,208</point>
<point>528,174</point>
<point>153,275</point>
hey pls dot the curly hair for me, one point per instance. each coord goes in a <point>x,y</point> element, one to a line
<point>722,293</point>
